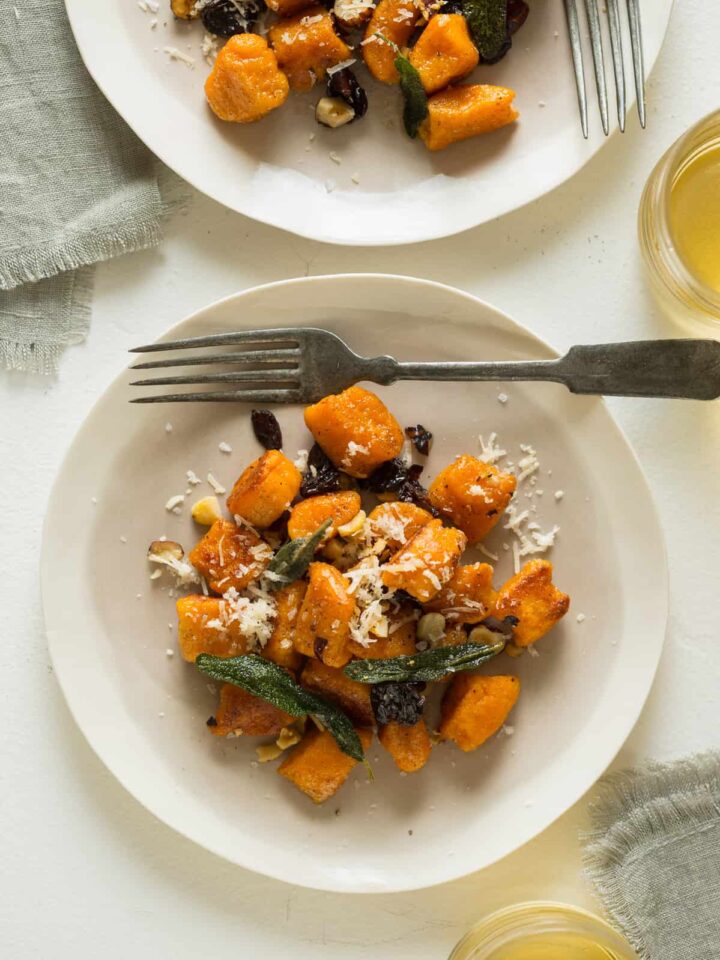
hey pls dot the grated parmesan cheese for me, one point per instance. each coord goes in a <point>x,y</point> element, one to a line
<point>353,449</point>
<point>215,484</point>
<point>254,610</point>
<point>489,451</point>
<point>177,55</point>
<point>371,598</point>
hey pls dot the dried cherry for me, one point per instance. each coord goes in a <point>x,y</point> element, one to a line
<point>321,476</point>
<point>420,437</point>
<point>344,84</point>
<point>225,18</point>
<point>267,429</point>
<point>397,702</point>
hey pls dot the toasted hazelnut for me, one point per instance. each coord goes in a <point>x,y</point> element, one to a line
<point>431,628</point>
<point>481,634</point>
<point>354,526</point>
<point>206,511</point>
<point>268,751</point>
<point>333,112</point>
<point>184,9</point>
<point>288,737</point>
<point>163,550</point>
<point>171,555</point>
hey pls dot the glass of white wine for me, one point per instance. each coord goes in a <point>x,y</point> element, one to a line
<point>543,931</point>
<point>679,226</point>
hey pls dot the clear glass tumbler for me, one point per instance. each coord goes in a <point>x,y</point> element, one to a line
<point>681,295</point>
<point>542,931</point>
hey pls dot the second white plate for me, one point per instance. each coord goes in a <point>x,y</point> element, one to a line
<point>144,712</point>
<point>272,171</point>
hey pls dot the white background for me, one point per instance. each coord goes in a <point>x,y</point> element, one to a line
<point>85,870</point>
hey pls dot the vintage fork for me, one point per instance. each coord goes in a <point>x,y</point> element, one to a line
<point>304,364</point>
<point>614,23</point>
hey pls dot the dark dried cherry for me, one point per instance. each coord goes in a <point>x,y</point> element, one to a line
<point>421,438</point>
<point>225,18</point>
<point>321,476</point>
<point>394,477</point>
<point>344,84</point>
<point>388,478</point>
<point>517,14</point>
<point>267,429</point>
<point>397,702</point>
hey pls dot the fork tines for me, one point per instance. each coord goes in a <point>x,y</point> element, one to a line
<point>268,369</point>
<point>596,42</point>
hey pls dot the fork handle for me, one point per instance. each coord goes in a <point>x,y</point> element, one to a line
<point>688,369</point>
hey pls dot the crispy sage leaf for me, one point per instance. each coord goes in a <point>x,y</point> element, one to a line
<point>293,558</point>
<point>487,22</point>
<point>267,680</point>
<point>416,102</point>
<point>426,666</point>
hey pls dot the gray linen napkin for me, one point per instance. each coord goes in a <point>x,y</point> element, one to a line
<point>76,186</point>
<point>654,857</point>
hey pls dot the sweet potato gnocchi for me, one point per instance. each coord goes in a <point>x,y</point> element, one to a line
<point>327,615</point>
<point>272,47</point>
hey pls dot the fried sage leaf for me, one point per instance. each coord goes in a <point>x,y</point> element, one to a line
<point>487,22</point>
<point>428,665</point>
<point>267,680</point>
<point>416,101</point>
<point>293,558</point>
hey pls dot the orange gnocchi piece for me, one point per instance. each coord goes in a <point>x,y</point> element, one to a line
<point>306,45</point>
<point>408,746</point>
<point>475,707</point>
<point>472,495</point>
<point>532,597</point>
<point>468,596</point>
<point>245,83</point>
<point>203,628</point>
<point>356,430</point>
<point>444,52</point>
<point>240,712</point>
<point>230,556</point>
<point>265,489</point>
<point>464,111</point>
<point>323,628</point>
<point>317,766</point>
<point>394,20</point>
<point>308,515</point>
<point>426,563</point>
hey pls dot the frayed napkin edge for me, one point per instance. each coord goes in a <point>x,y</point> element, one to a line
<point>38,356</point>
<point>40,262</point>
<point>660,797</point>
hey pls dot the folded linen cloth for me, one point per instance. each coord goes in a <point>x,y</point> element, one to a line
<point>654,856</point>
<point>76,186</point>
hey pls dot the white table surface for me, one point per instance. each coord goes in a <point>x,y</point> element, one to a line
<point>85,870</point>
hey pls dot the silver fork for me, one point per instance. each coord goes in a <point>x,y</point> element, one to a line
<point>614,24</point>
<point>304,364</point>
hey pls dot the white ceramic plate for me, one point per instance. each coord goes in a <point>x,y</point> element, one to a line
<point>144,713</point>
<point>273,173</point>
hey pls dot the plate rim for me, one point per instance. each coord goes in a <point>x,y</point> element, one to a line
<point>559,176</point>
<point>93,738</point>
